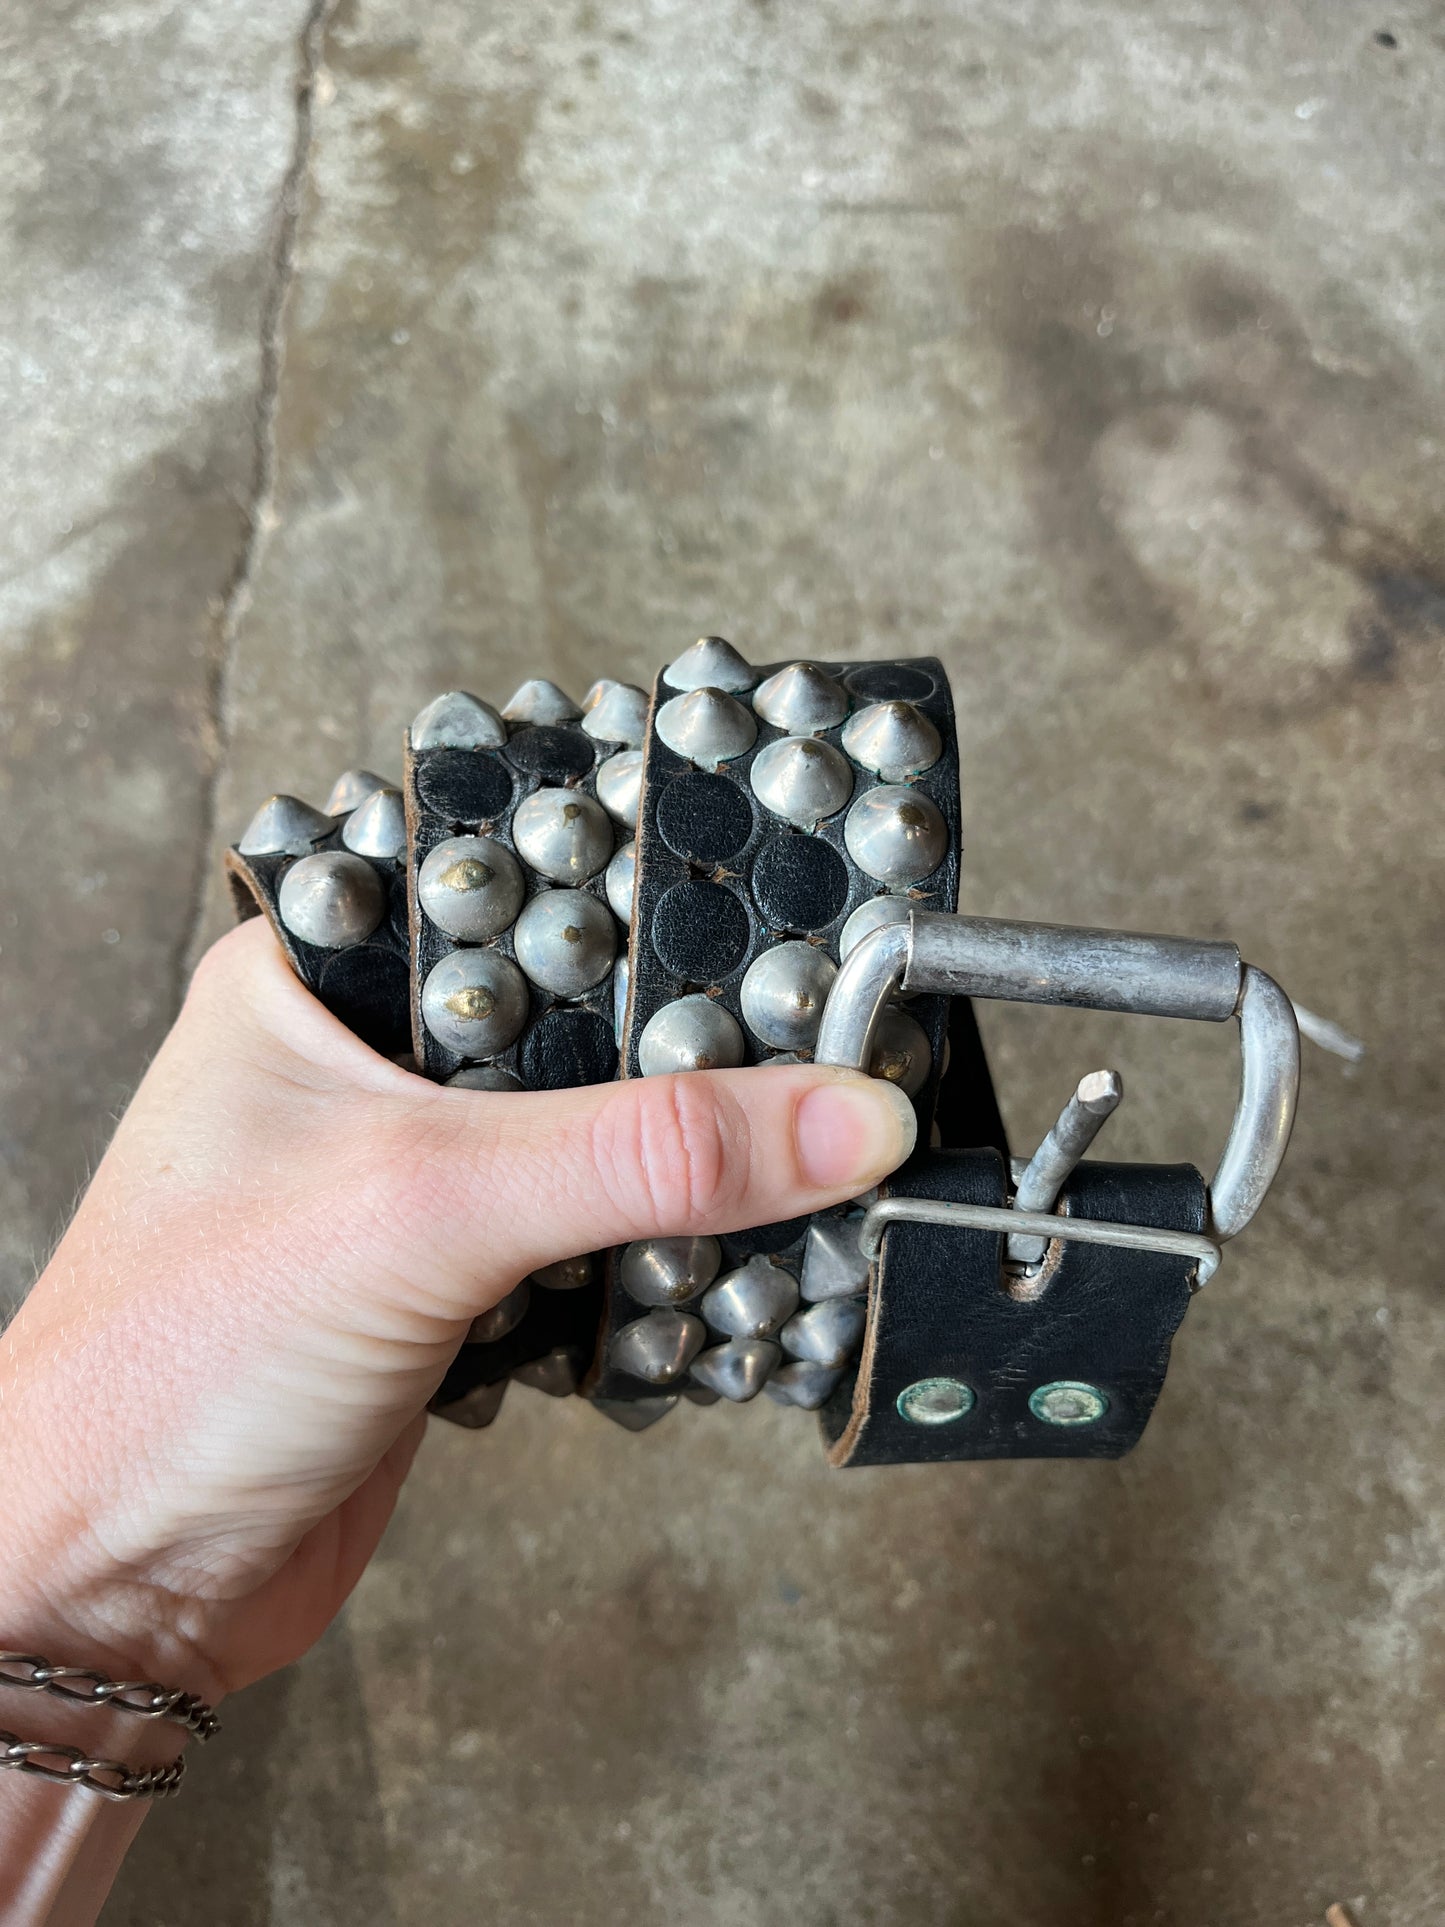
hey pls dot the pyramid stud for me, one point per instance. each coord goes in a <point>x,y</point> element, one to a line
<point>621,983</point>
<point>634,1414</point>
<point>711,663</point>
<point>707,727</point>
<point>563,834</point>
<point>872,915</point>
<point>556,1374</point>
<point>802,780</point>
<point>896,835</point>
<point>755,1301</point>
<point>804,1384</point>
<point>458,721</point>
<point>784,992</point>
<point>540,701</point>
<point>901,1052</point>
<point>568,1274</point>
<point>599,689</point>
<point>738,1370</point>
<point>833,1265</point>
<point>894,740</point>
<point>827,1333</point>
<point>484,1077</point>
<point>669,1271</point>
<point>499,1319</point>
<point>659,1347</point>
<point>377,827</point>
<point>475,1002</point>
<point>471,887</point>
<point>332,899</point>
<point>351,789</point>
<point>619,715</point>
<point>621,881</point>
<point>476,1408</point>
<point>801,699</point>
<point>693,1034</point>
<point>619,786</point>
<point>283,826</point>
<point>565,941</point>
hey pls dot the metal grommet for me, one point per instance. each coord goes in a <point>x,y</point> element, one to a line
<point>1068,1401</point>
<point>935,1401</point>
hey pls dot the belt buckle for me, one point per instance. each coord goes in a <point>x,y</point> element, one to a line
<point>1115,970</point>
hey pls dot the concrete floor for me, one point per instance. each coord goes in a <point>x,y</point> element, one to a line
<point>353,352</point>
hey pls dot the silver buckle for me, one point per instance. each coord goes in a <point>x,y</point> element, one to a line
<point>1040,963</point>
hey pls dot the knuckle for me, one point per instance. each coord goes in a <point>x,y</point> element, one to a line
<point>685,1156</point>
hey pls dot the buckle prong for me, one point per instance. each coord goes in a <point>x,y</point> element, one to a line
<point>1047,1171</point>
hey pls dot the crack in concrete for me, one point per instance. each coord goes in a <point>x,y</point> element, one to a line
<point>261,498</point>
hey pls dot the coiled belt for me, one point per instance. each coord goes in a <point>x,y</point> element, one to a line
<point>751,866</point>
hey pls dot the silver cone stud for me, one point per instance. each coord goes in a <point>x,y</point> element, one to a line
<point>659,1347</point>
<point>894,740</point>
<point>540,701</point>
<point>619,786</point>
<point>872,915</point>
<point>901,1052</point>
<point>568,1274</point>
<point>475,1002</point>
<point>804,1384</point>
<point>801,700</point>
<point>693,1034</point>
<point>351,789</point>
<point>707,727</point>
<point>563,834</point>
<point>471,887</point>
<point>833,1265</point>
<point>669,1271</point>
<point>597,691</point>
<point>802,780</point>
<point>634,1414</point>
<point>332,899</point>
<point>565,941</point>
<point>283,826</point>
<point>621,984</point>
<point>755,1301</point>
<point>377,827</point>
<point>619,715</point>
<point>896,835</point>
<point>476,1408</point>
<point>484,1077</point>
<point>711,663</point>
<point>784,992</point>
<point>458,721</point>
<point>621,880</point>
<point>738,1370</point>
<point>494,1323</point>
<point>826,1334</point>
<point>556,1374</point>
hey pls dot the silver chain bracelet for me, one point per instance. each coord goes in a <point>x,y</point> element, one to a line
<point>85,1687</point>
<point>69,1766</point>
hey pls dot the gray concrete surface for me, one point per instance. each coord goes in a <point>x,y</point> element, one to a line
<point>351,353</point>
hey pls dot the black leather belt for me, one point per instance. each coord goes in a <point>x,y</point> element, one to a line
<point>753,865</point>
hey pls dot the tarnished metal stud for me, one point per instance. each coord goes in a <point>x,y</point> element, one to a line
<point>755,1301</point>
<point>707,726</point>
<point>332,899</point>
<point>659,1347</point>
<point>710,663</point>
<point>784,991</point>
<point>634,1414</point>
<point>283,826</point>
<point>619,715</point>
<point>568,1274</point>
<point>801,699</point>
<point>669,1271</point>
<point>501,1318</point>
<point>458,721</point>
<point>833,1265</point>
<point>565,941</point>
<point>895,740</point>
<point>621,984</point>
<point>901,1052</point>
<point>484,1077</point>
<point>621,882</point>
<point>804,1384</point>
<point>556,1374</point>
<point>540,701</point>
<point>597,690</point>
<point>869,916</point>
<point>801,780</point>
<point>563,834</point>
<point>377,827</point>
<point>476,1408</point>
<point>471,887</point>
<point>474,1002</point>
<point>739,1369</point>
<point>351,789</point>
<point>897,835</point>
<point>826,1333</point>
<point>693,1034</point>
<point>619,786</point>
